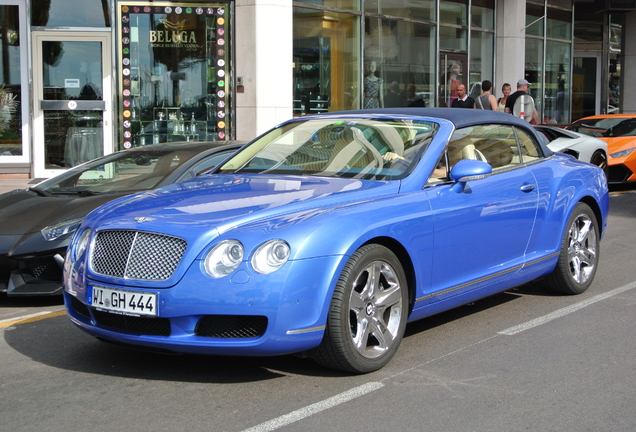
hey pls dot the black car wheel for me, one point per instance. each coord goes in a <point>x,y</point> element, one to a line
<point>600,160</point>
<point>368,312</point>
<point>579,256</point>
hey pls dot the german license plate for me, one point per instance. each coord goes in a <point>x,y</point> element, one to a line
<point>123,302</point>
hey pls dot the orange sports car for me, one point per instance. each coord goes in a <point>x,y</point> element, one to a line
<point>619,131</point>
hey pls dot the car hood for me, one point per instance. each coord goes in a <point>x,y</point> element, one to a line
<point>617,144</point>
<point>221,202</point>
<point>24,213</point>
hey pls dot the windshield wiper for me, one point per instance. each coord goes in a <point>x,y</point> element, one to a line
<point>88,192</point>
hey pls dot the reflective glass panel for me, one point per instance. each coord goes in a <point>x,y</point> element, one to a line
<point>482,14</point>
<point>453,12</point>
<point>584,79</point>
<point>175,74</point>
<point>481,60</point>
<point>399,64</point>
<point>10,83</point>
<point>326,63</point>
<point>70,13</point>
<point>339,4</point>
<point>534,65</point>
<point>416,9</point>
<point>557,83</point>
<point>534,22</point>
<point>559,24</point>
<point>72,71</point>
<point>453,38</point>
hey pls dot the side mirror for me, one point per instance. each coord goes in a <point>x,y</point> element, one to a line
<point>468,170</point>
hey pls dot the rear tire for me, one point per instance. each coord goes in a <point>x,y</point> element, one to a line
<point>579,256</point>
<point>368,312</point>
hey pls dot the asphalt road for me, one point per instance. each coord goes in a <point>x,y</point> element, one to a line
<point>520,360</point>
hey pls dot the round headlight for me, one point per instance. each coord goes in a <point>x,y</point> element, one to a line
<point>224,258</point>
<point>81,244</point>
<point>270,256</point>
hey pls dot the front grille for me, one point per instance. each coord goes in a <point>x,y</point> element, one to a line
<point>134,325</point>
<point>231,326</point>
<point>618,173</point>
<point>136,254</point>
<point>45,268</point>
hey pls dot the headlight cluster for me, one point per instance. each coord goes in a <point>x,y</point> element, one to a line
<point>622,153</point>
<point>226,256</point>
<point>60,230</point>
<point>80,245</point>
<point>270,256</point>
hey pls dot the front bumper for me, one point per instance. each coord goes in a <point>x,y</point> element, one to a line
<point>36,275</point>
<point>243,314</point>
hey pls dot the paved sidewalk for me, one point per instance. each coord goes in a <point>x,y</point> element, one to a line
<point>7,185</point>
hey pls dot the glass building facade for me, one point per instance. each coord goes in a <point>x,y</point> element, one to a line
<point>78,82</point>
<point>389,54</point>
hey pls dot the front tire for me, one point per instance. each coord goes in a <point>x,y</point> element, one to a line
<point>579,256</point>
<point>368,312</point>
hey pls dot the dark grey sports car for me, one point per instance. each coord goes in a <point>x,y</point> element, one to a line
<point>37,223</point>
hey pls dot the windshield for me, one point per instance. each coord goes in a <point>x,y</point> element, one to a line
<point>378,149</point>
<point>606,127</point>
<point>120,172</point>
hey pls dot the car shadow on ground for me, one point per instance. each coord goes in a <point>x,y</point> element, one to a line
<point>57,343</point>
<point>28,302</point>
<point>532,288</point>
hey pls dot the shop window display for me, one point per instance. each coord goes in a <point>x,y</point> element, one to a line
<point>10,83</point>
<point>326,65</point>
<point>175,82</point>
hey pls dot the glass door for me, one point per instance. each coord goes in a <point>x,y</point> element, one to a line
<point>72,99</point>
<point>452,73</point>
<point>586,85</point>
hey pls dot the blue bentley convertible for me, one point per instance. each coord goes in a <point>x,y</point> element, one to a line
<point>327,234</point>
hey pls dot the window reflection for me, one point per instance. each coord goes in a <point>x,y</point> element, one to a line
<point>72,71</point>
<point>453,12</point>
<point>10,90</point>
<point>421,10</point>
<point>175,74</point>
<point>557,83</point>
<point>481,49</point>
<point>326,66</point>
<point>55,13</point>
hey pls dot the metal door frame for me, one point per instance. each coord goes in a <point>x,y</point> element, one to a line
<point>24,84</point>
<point>105,37</point>
<point>443,58</point>
<point>599,60</point>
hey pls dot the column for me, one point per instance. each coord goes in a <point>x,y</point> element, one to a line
<point>628,65</point>
<point>263,52</point>
<point>510,43</point>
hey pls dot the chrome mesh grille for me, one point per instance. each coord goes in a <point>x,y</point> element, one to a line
<point>136,254</point>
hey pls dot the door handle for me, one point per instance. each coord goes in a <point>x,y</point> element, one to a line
<point>528,187</point>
